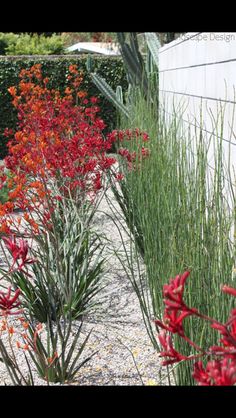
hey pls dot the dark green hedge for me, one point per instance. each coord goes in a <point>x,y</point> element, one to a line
<point>55,67</point>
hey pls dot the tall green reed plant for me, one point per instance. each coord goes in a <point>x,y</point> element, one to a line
<point>184,216</point>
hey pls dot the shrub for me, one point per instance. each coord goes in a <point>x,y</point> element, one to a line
<point>56,69</point>
<point>57,160</point>
<point>69,268</point>
<point>54,354</point>
<point>26,44</point>
<point>5,40</point>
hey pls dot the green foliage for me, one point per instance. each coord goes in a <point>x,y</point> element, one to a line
<point>153,44</point>
<point>183,214</point>
<point>5,40</point>
<point>57,70</point>
<point>54,356</point>
<point>59,337</point>
<point>69,267</point>
<point>26,44</point>
<point>4,191</point>
<point>133,60</point>
<point>142,73</point>
<point>4,194</point>
<point>109,93</point>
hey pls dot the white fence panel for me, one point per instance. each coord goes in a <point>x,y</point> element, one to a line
<point>197,76</point>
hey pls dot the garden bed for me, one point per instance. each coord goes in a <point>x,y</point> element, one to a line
<point>125,355</point>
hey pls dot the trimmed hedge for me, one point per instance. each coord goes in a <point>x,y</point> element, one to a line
<point>56,68</point>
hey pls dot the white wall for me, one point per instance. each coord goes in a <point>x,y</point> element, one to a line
<point>198,71</point>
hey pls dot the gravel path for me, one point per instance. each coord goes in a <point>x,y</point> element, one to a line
<point>125,354</point>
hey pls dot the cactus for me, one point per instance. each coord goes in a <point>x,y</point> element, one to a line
<point>149,63</point>
<point>119,94</point>
<point>109,93</point>
<point>133,61</point>
<point>153,44</point>
<point>115,97</point>
<point>89,64</point>
<point>139,73</point>
<point>152,61</point>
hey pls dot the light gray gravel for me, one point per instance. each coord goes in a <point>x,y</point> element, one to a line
<point>125,354</point>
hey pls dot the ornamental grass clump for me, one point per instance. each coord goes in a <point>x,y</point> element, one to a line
<point>128,162</point>
<point>182,214</point>
<point>56,281</point>
<point>29,349</point>
<point>66,266</point>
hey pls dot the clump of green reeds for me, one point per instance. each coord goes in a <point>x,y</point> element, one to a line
<point>184,210</point>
